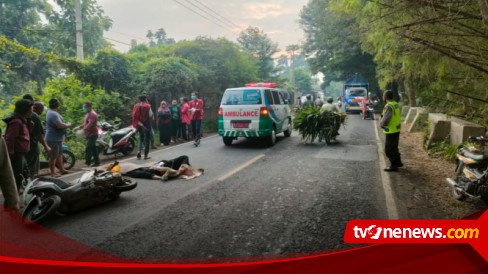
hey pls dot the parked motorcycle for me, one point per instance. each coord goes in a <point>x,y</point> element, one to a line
<point>69,159</point>
<point>471,173</point>
<point>46,195</point>
<point>120,141</point>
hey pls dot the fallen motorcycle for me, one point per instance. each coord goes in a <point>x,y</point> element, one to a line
<point>45,196</point>
<point>471,173</point>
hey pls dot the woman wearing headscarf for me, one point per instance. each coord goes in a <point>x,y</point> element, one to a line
<point>164,123</point>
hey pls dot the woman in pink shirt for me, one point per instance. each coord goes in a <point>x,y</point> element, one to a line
<point>196,116</point>
<point>185,117</point>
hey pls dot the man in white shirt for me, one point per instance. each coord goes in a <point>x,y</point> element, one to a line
<point>329,106</point>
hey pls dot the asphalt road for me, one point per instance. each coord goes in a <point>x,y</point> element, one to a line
<point>290,198</point>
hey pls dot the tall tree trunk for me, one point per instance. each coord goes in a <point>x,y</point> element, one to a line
<point>484,11</point>
<point>401,91</point>
<point>410,89</point>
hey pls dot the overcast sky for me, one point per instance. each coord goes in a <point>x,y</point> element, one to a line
<point>133,18</point>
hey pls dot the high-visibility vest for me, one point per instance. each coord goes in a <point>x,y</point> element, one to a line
<point>395,123</point>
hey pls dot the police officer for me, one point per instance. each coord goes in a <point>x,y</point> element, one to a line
<point>391,124</point>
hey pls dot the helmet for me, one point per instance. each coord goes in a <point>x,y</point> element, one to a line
<point>330,100</point>
<point>116,169</point>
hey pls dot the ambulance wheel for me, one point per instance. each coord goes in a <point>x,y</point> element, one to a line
<point>227,140</point>
<point>272,137</point>
<point>287,132</point>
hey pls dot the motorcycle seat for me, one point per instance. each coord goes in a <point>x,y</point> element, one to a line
<point>121,132</point>
<point>474,156</point>
<point>60,183</point>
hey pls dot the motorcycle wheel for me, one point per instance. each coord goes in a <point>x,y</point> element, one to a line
<point>129,147</point>
<point>458,195</point>
<point>38,212</point>
<point>68,159</point>
<point>327,136</point>
<point>125,184</point>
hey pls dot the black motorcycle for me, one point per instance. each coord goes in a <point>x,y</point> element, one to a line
<point>471,173</point>
<point>46,195</point>
<point>369,112</point>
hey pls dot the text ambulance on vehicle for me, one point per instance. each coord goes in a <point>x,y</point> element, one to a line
<point>257,110</point>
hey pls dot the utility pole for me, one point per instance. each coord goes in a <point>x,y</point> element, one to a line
<point>79,31</point>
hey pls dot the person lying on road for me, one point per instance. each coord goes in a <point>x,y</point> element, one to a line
<point>162,170</point>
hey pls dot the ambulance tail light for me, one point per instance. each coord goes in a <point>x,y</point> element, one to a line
<point>264,111</point>
<point>221,112</point>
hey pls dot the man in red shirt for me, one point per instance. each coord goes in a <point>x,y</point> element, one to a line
<point>141,121</point>
<point>196,116</point>
<point>90,131</point>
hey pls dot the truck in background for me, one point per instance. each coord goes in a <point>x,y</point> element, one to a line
<point>353,94</point>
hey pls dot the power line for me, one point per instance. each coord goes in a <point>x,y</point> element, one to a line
<point>213,16</point>
<point>117,41</point>
<point>218,14</point>
<point>199,14</point>
<point>128,35</point>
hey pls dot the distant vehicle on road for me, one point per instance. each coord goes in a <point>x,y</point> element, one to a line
<point>257,110</point>
<point>353,93</point>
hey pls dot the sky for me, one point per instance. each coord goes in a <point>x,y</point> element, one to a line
<point>133,18</point>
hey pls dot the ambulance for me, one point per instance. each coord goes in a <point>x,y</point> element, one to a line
<point>257,110</point>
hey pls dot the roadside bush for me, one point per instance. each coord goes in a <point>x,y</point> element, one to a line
<point>72,94</point>
<point>210,126</point>
<point>443,150</point>
<point>426,133</point>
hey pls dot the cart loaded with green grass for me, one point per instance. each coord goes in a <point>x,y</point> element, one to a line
<point>314,124</point>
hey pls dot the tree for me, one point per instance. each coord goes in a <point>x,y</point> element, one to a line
<point>219,62</point>
<point>109,70</point>
<point>303,80</point>
<point>160,36</point>
<point>62,24</point>
<point>435,50</point>
<point>19,73</point>
<point>256,43</point>
<point>150,36</point>
<point>169,77</point>
<point>333,44</point>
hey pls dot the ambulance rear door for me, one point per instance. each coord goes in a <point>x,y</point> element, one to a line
<point>240,111</point>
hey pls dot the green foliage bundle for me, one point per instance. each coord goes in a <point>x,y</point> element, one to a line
<point>310,121</point>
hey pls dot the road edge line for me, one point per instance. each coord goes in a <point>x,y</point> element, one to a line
<point>243,166</point>
<point>385,179</point>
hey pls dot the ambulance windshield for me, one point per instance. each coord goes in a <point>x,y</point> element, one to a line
<point>242,97</point>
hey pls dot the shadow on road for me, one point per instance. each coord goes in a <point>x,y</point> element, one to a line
<point>245,143</point>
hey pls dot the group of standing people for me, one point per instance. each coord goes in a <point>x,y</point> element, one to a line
<point>20,145</point>
<point>179,121</point>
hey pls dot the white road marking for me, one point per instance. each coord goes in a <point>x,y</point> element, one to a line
<point>385,179</point>
<point>243,166</point>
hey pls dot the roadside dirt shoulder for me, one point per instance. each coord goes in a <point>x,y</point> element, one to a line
<point>420,189</point>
